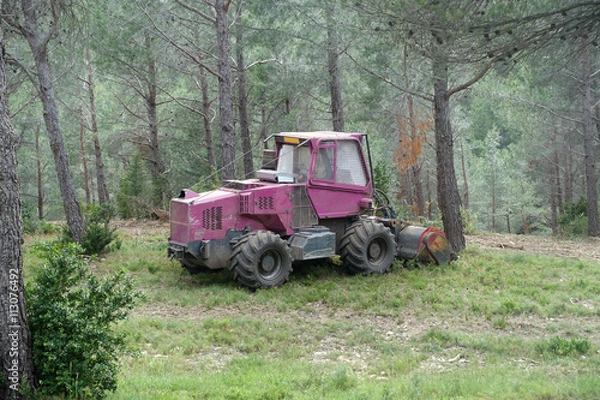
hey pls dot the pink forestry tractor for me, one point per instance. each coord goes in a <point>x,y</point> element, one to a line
<point>313,198</point>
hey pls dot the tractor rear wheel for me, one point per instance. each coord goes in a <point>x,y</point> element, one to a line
<point>261,259</point>
<point>368,247</point>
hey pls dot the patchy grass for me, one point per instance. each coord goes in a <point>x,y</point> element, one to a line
<point>495,324</point>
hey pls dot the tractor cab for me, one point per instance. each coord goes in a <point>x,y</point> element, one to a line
<point>330,167</point>
<point>320,158</point>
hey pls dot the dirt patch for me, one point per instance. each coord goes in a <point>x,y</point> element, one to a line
<point>137,228</point>
<point>581,249</point>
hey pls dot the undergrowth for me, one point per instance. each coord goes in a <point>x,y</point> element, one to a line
<point>495,324</point>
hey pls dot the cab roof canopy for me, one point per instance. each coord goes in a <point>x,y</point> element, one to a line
<point>319,135</point>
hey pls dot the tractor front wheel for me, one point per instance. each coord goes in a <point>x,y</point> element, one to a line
<point>368,247</point>
<point>261,259</point>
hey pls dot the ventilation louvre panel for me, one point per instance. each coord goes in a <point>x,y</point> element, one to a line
<point>212,218</point>
<point>266,203</point>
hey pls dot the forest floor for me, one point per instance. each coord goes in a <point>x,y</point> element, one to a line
<point>413,322</point>
<point>585,249</point>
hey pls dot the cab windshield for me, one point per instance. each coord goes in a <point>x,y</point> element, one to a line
<point>294,160</point>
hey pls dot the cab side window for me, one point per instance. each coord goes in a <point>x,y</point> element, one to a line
<point>349,166</point>
<point>325,161</point>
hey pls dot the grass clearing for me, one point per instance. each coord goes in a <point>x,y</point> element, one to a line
<point>495,324</point>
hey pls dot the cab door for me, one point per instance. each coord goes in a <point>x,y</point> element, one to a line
<point>339,181</point>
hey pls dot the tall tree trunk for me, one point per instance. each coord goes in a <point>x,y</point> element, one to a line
<point>556,197</point>
<point>597,121</point>
<point>464,175</point>
<point>416,168</point>
<point>263,123</point>
<point>553,204</point>
<point>243,104</point>
<point>40,170</point>
<point>103,196</point>
<point>429,198</point>
<point>86,179</point>
<point>567,179</point>
<point>39,48</point>
<point>206,111</point>
<point>225,97</point>
<point>591,178</point>
<point>448,196</point>
<point>16,361</point>
<point>404,191</point>
<point>335,85</point>
<point>523,214</point>
<point>494,199</point>
<point>157,167</point>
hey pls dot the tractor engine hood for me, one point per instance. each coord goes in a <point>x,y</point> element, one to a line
<point>248,204</point>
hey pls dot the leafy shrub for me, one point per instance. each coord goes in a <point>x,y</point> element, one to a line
<point>558,346</point>
<point>47,227</point>
<point>98,234</point>
<point>469,220</point>
<point>31,223</point>
<point>208,182</point>
<point>383,175</point>
<point>132,193</point>
<point>71,313</point>
<point>573,220</point>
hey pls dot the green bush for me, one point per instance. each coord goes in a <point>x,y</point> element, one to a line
<point>132,197</point>
<point>383,175</point>
<point>71,316</point>
<point>98,234</point>
<point>573,220</point>
<point>469,220</point>
<point>558,346</point>
<point>32,225</point>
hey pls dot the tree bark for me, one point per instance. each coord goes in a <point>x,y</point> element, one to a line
<point>243,104</point>
<point>157,167</point>
<point>86,179</point>
<point>567,178</point>
<point>553,204</point>
<point>448,196</point>
<point>16,362</point>
<point>419,201</point>
<point>38,42</point>
<point>556,197</point>
<point>40,170</point>
<point>591,178</point>
<point>464,175</point>
<point>335,85</point>
<point>225,97</point>
<point>103,196</point>
<point>206,111</point>
<point>494,199</point>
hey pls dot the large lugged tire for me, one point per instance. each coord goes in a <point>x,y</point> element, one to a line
<point>261,259</point>
<point>368,247</point>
